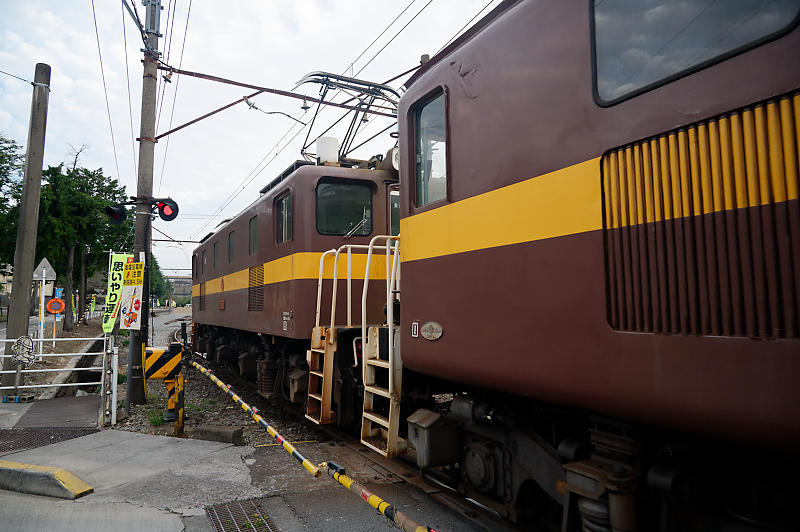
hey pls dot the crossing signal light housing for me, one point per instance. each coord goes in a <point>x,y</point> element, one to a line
<point>116,214</point>
<point>167,209</point>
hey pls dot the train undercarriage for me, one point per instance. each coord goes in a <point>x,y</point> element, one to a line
<point>541,466</point>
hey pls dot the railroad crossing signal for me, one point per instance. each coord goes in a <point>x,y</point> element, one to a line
<point>116,213</point>
<point>167,209</point>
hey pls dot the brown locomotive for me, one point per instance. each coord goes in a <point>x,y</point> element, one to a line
<point>600,246</point>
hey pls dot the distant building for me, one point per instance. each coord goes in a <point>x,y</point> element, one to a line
<point>6,278</point>
<point>181,285</point>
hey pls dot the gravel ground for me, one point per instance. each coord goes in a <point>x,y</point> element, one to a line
<point>206,404</point>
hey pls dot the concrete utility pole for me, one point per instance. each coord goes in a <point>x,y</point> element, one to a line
<point>144,190</point>
<point>28,225</point>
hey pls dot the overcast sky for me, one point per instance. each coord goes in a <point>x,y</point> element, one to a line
<point>267,43</point>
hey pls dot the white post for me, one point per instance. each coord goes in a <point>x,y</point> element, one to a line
<point>114,372</point>
<point>41,312</point>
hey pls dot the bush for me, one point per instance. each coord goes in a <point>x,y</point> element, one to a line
<point>156,417</point>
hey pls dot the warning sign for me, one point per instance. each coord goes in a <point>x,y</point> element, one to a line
<point>131,297</point>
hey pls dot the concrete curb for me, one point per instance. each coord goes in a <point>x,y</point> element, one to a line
<point>42,480</point>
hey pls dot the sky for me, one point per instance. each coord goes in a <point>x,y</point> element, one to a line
<point>271,43</point>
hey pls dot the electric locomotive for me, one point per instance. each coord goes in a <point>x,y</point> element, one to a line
<point>599,320</point>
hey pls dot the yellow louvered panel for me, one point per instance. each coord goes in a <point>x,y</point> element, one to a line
<point>702,226</point>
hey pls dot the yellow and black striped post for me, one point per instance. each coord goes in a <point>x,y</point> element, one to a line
<point>387,510</point>
<point>165,364</point>
<point>311,468</point>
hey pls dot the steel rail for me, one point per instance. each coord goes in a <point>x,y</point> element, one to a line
<point>311,468</point>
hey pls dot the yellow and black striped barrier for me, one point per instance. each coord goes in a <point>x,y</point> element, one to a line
<point>311,468</point>
<point>334,470</point>
<point>390,512</point>
<point>165,363</point>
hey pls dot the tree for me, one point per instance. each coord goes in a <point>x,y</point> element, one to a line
<point>12,161</point>
<point>159,288</point>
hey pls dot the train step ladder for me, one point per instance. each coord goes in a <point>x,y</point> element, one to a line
<point>383,374</point>
<point>320,375</point>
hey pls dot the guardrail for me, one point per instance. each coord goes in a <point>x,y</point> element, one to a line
<point>107,382</point>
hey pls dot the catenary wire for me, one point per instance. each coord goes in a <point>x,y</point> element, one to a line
<point>128,86</point>
<point>249,178</point>
<point>456,34</point>
<point>105,90</point>
<point>175,96</point>
<point>171,9</point>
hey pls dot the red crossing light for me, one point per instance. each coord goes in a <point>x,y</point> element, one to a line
<point>167,209</point>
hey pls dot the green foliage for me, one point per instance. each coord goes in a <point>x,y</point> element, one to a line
<point>121,379</point>
<point>12,162</point>
<point>156,417</point>
<point>159,287</point>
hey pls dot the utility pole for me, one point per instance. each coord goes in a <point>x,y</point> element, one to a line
<point>28,225</point>
<point>144,191</point>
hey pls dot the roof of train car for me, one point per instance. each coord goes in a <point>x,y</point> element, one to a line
<point>289,175</point>
<point>463,38</point>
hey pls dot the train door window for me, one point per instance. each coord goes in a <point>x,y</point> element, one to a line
<point>394,210</point>
<point>343,207</point>
<point>283,218</point>
<point>216,255</point>
<point>641,45</point>
<point>203,263</point>
<point>231,246</point>
<point>431,155</point>
<point>253,235</point>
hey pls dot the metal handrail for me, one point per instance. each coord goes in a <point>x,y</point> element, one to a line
<point>7,341</point>
<point>389,295</point>
<point>52,355</point>
<point>99,383</point>
<point>52,370</point>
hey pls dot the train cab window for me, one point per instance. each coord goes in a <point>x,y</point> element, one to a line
<point>640,45</point>
<point>283,218</point>
<point>194,265</point>
<point>431,146</point>
<point>253,235</point>
<point>231,249</point>
<point>216,255</point>
<point>343,208</point>
<point>203,263</point>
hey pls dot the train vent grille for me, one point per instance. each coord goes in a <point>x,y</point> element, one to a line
<point>255,288</point>
<point>702,226</point>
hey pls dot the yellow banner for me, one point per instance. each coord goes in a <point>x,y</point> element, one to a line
<point>115,273</point>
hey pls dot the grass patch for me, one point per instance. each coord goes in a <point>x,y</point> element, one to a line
<point>156,417</point>
<point>121,379</point>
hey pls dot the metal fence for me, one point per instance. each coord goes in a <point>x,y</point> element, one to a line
<point>108,372</point>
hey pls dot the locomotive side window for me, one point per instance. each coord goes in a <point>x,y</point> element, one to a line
<point>203,264</point>
<point>640,45</point>
<point>431,145</point>
<point>253,244</point>
<point>194,264</point>
<point>283,218</point>
<point>216,255</point>
<point>231,250</point>
<point>344,208</point>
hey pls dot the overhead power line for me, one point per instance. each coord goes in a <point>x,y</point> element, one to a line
<point>128,85</point>
<point>175,94</point>
<point>105,90</point>
<point>13,76</point>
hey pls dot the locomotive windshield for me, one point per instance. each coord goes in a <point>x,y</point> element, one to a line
<point>639,44</point>
<point>344,208</point>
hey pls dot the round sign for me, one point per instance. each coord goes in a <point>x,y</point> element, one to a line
<point>55,306</point>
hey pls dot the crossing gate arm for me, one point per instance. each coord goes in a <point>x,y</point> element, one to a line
<point>406,523</point>
<point>311,468</point>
